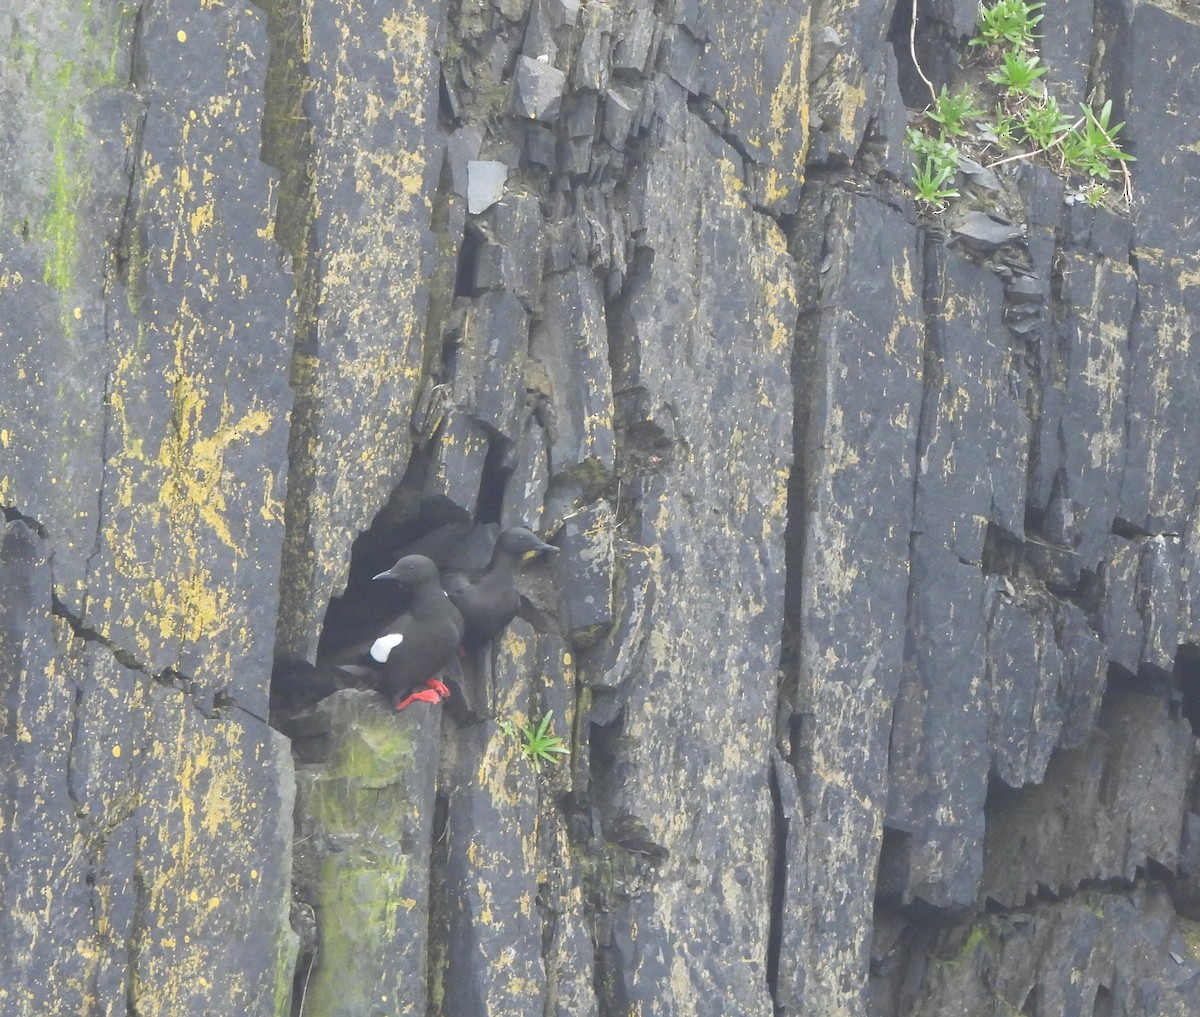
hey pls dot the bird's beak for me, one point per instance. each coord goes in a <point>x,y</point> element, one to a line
<point>541,549</point>
<point>382,575</point>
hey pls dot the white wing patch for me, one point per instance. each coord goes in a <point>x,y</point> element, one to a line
<point>385,645</point>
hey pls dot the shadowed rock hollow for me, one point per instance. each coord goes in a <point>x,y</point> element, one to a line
<point>875,627</point>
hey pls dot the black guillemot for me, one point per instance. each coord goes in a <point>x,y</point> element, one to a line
<point>413,648</point>
<point>489,600</point>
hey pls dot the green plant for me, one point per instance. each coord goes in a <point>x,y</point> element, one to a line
<point>1044,122</point>
<point>925,146</point>
<point>538,744</point>
<point>1005,127</point>
<point>951,111</point>
<point>1092,147</point>
<point>1019,73</point>
<point>930,182</point>
<point>1007,21</point>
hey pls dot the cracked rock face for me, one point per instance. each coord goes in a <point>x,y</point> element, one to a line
<point>874,634</point>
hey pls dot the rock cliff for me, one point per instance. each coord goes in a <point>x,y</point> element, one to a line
<point>875,628</point>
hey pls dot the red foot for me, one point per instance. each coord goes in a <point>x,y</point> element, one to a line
<point>425,696</point>
<point>434,692</point>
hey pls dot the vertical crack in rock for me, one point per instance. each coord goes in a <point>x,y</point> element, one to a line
<point>779,878</point>
<point>287,145</point>
<point>122,278</point>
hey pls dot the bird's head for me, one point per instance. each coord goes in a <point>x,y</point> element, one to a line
<point>411,570</point>
<point>522,543</point>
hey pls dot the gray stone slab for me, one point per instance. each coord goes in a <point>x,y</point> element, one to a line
<point>136,832</point>
<point>974,431</point>
<point>539,89</point>
<point>570,344</point>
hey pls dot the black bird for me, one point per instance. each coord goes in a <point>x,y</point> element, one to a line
<point>413,648</point>
<point>489,600</point>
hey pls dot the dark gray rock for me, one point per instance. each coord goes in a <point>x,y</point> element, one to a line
<point>462,148</point>
<point>265,206</point>
<point>1085,664</point>
<point>728,485</point>
<point>982,232</point>
<point>749,62</point>
<point>512,259</point>
<point>360,354</point>
<point>1164,457</point>
<point>857,324</point>
<point>452,478</point>
<point>974,431</point>
<point>1098,230</point>
<point>1099,953</point>
<point>1065,45</point>
<point>612,662</point>
<point>491,885</point>
<point>1103,810</point>
<point>133,841</point>
<point>1024,674</point>
<point>1163,465</point>
<point>1078,451</point>
<point>939,753</point>
<point>143,376</point>
<point>825,45</point>
<point>1000,677</point>
<point>586,573</point>
<point>1142,604</point>
<point>637,41</point>
<point>569,344</point>
<point>495,339</point>
<point>538,90</point>
<point>488,889</point>
<point>526,486</point>
<point>795,953</point>
<point>620,108</point>
<point>65,104</point>
<point>843,97</point>
<point>592,60</point>
<point>1121,624</point>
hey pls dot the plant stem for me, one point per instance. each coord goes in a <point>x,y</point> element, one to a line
<point>912,48</point>
<point>1037,151</point>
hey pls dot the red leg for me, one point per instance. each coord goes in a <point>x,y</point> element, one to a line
<point>439,687</point>
<point>424,695</point>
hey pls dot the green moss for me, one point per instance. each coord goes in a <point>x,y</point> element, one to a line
<point>350,796</point>
<point>376,754</point>
<point>978,938</point>
<point>61,85</point>
<point>287,948</point>
<point>362,906</point>
<point>60,226</point>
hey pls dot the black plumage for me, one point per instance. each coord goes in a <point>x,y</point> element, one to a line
<point>489,600</point>
<point>414,647</point>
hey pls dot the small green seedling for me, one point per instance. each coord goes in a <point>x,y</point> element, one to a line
<point>924,146</point>
<point>538,744</point>
<point>952,111</point>
<point>930,182</point>
<point>1019,73</point>
<point>1005,128</point>
<point>1007,21</point>
<point>1093,147</point>
<point>1044,122</point>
